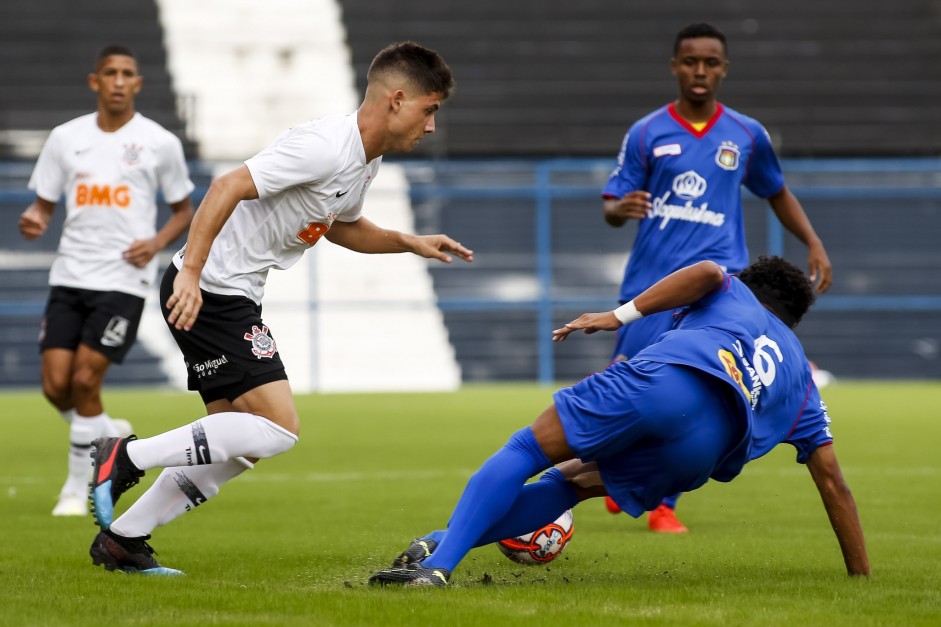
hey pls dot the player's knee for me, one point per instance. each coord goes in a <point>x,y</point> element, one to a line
<point>277,439</point>
<point>86,382</point>
<point>57,391</point>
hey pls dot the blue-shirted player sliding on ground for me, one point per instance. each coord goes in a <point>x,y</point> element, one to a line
<point>725,386</point>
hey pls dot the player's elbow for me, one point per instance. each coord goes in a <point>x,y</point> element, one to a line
<point>710,274</point>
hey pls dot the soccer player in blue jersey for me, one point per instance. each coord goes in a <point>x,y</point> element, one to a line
<point>723,387</point>
<point>680,172</point>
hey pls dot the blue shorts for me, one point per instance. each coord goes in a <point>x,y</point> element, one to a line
<point>638,335</point>
<point>654,429</point>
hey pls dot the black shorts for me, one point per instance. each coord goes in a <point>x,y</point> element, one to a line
<point>104,321</point>
<point>229,350</point>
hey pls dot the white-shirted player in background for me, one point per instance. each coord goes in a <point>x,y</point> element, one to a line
<point>109,165</point>
<point>310,183</point>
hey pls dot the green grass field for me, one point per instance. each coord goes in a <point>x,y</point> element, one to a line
<point>293,541</point>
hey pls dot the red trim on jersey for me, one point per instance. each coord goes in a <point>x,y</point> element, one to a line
<point>801,412</point>
<point>671,109</point>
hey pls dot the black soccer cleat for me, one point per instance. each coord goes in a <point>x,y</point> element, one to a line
<point>113,474</point>
<point>419,549</point>
<point>414,576</point>
<point>127,555</point>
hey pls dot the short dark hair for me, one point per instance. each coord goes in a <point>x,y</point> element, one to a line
<point>700,29</point>
<point>781,286</point>
<point>421,66</point>
<point>115,49</point>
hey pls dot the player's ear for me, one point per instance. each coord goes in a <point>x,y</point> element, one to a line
<point>140,83</point>
<point>396,100</point>
<point>93,83</point>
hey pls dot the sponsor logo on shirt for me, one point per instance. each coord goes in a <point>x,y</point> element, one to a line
<point>727,156</point>
<point>102,196</point>
<point>667,149</point>
<point>687,186</point>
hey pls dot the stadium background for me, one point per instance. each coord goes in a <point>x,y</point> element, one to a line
<point>546,90</point>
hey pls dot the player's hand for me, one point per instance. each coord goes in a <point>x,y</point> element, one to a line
<point>437,247</point>
<point>185,302</point>
<point>33,223</point>
<point>590,323</point>
<point>821,272</point>
<point>140,253</point>
<point>634,205</point>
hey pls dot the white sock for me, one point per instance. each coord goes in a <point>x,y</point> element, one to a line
<point>212,440</point>
<point>176,491</point>
<point>81,433</point>
<point>67,415</point>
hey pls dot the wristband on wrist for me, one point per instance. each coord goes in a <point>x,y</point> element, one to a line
<point>627,313</point>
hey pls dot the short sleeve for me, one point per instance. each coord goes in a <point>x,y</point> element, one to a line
<point>172,173</point>
<point>49,178</point>
<point>299,156</point>
<point>812,429</point>
<point>630,174</point>
<point>764,177</point>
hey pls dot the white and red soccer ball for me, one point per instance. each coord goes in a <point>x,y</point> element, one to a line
<point>541,546</point>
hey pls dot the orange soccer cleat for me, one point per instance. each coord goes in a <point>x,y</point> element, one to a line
<point>611,505</point>
<point>663,520</point>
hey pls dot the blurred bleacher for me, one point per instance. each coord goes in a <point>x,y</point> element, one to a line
<point>48,48</point>
<point>848,77</point>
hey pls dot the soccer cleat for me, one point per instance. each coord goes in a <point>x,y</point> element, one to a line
<point>113,474</point>
<point>663,520</point>
<point>419,549</point>
<point>127,555</point>
<point>71,504</point>
<point>414,576</point>
<point>611,505</point>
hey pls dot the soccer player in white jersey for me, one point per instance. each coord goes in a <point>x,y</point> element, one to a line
<point>109,165</point>
<point>309,184</point>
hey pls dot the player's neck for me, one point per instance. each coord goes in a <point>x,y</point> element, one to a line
<point>696,112</point>
<point>109,122</point>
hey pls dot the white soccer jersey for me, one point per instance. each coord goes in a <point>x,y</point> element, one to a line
<point>310,176</point>
<point>110,182</point>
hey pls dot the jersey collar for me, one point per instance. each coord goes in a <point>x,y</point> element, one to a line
<point>671,109</point>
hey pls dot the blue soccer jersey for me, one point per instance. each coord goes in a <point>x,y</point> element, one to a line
<point>731,336</point>
<point>694,179</point>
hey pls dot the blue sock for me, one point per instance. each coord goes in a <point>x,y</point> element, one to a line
<point>670,501</point>
<point>540,503</point>
<point>489,495</point>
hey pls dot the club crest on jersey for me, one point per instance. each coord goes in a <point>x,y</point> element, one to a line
<point>727,156</point>
<point>263,345</point>
<point>132,154</point>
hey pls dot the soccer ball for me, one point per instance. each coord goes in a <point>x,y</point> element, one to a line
<point>541,546</point>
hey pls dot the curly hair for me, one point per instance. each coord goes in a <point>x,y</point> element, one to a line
<point>781,286</point>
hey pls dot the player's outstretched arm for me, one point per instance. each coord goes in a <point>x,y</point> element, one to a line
<point>683,287</point>
<point>841,508</point>
<point>363,236</point>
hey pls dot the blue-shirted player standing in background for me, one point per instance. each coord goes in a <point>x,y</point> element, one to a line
<point>680,172</point>
<point>724,387</point>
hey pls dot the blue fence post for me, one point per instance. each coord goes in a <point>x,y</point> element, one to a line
<point>544,272</point>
